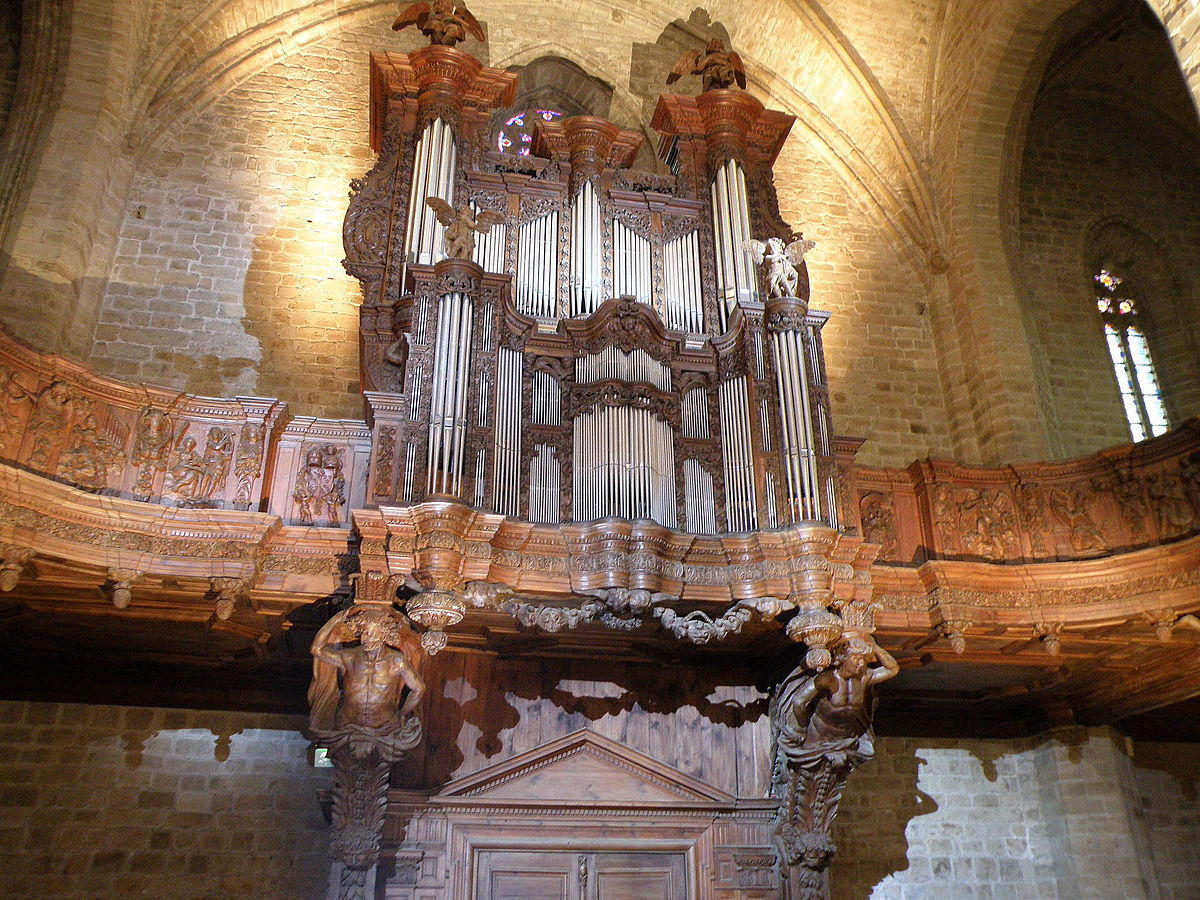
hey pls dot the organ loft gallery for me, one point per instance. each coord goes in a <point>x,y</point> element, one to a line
<point>600,451</point>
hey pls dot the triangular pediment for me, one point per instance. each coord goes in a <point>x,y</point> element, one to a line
<point>583,768</point>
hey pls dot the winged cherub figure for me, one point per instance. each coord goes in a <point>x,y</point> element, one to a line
<point>442,21</point>
<point>783,276</point>
<point>716,66</point>
<point>461,225</point>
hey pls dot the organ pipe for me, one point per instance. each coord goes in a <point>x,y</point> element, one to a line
<point>741,505</point>
<point>544,489</point>
<point>611,363</point>
<point>699,500</point>
<point>624,465</point>
<point>537,268</point>
<point>489,247</point>
<point>448,401</point>
<point>434,169</point>
<point>506,477</point>
<point>631,263</point>
<point>731,230</point>
<point>683,308</point>
<point>586,251</point>
<point>795,412</point>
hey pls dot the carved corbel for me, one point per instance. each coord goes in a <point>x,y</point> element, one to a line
<point>229,591</point>
<point>120,585</point>
<point>822,731</point>
<point>365,689</point>
<point>439,551</point>
<point>1048,634</point>
<point>954,630</point>
<point>14,561</point>
<point>1165,621</point>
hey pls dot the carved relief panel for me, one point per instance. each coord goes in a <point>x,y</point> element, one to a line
<point>321,471</point>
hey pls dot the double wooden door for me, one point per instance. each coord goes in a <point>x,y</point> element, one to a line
<point>569,875</point>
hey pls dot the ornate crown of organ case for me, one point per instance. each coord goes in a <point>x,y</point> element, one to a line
<point>584,406</point>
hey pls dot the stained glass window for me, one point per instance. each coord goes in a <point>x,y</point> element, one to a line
<point>516,134</point>
<point>1130,354</point>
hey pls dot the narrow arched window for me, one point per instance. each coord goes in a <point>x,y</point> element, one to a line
<point>1127,346</point>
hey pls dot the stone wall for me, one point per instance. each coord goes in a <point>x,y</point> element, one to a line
<point>107,801</point>
<point>1068,816</point>
<point>139,802</point>
<point>1108,173</point>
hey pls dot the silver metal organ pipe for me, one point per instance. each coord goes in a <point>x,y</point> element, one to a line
<point>725,287</point>
<point>460,411</point>
<point>480,463</point>
<point>796,416</point>
<point>803,425</point>
<point>410,467</point>
<point>746,279</point>
<point>738,461</point>
<point>438,383</point>
<point>507,441</point>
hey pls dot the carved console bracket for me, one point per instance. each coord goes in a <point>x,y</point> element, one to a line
<point>12,563</point>
<point>366,683</point>
<point>822,721</point>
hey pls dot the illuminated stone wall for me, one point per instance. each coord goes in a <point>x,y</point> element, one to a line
<point>179,220</point>
<point>1110,170</point>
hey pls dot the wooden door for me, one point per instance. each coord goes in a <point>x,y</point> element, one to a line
<point>635,876</point>
<point>569,875</point>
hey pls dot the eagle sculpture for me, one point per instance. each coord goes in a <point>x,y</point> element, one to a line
<point>442,21</point>
<point>716,66</point>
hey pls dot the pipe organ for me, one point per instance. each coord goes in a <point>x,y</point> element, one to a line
<point>608,349</point>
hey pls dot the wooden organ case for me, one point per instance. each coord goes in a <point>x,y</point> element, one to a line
<point>606,352</point>
<point>599,419</point>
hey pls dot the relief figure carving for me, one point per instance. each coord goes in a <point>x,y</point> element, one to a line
<point>992,534</point>
<point>248,463</point>
<point>1173,513</point>
<point>90,457</point>
<point>48,423</point>
<point>321,488</point>
<point>879,522</point>
<point>151,449</point>
<point>1071,509</point>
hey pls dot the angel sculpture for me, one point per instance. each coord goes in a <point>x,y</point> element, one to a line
<point>716,66</point>
<point>783,276</point>
<point>442,21</point>
<point>461,225</point>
